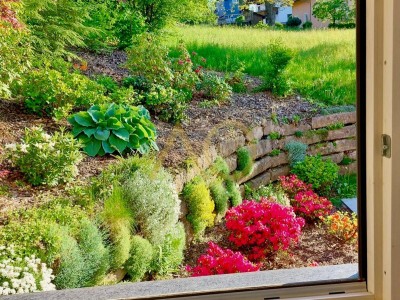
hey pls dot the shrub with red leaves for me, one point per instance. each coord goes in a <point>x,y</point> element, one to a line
<point>311,206</point>
<point>221,261</point>
<point>292,185</point>
<point>262,228</point>
<point>8,15</point>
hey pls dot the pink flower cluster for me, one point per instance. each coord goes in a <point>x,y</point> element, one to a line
<point>262,228</point>
<point>221,261</point>
<point>292,185</point>
<point>311,206</point>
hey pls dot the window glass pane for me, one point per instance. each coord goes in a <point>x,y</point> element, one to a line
<point>144,141</point>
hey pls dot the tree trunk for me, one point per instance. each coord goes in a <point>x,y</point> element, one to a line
<point>271,13</point>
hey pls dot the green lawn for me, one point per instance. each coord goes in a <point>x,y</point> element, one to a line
<point>323,67</point>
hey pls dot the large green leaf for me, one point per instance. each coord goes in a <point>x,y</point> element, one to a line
<point>129,127</point>
<point>84,119</point>
<point>141,132</point>
<point>117,143</point>
<point>97,116</point>
<point>134,142</point>
<point>89,131</point>
<point>154,145</point>
<point>92,147</point>
<point>77,129</point>
<point>101,152</point>
<point>102,134</point>
<point>111,110</point>
<point>83,138</point>
<point>122,133</point>
<point>114,124</point>
<point>107,147</point>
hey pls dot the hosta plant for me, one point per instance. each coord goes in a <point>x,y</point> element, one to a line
<point>107,128</point>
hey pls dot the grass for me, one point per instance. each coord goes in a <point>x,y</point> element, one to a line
<point>323,67</point>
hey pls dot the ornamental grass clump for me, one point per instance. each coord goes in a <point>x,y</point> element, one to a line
<point>46,159</point>
<point>221,261</point>
<point>263,228</point>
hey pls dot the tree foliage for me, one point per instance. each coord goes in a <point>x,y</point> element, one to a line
<point>334,11</point>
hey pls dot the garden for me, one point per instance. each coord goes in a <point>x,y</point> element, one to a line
<point>136,146</point>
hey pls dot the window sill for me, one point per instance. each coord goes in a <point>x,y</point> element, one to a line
<point>208,284</point>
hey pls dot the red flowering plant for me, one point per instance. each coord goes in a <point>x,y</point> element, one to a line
<point>310,206</point>
<point>263,228</point>
<point>221,261</point>
<point>292,185</point>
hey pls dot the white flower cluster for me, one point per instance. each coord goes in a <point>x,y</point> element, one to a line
<point>26,275</point>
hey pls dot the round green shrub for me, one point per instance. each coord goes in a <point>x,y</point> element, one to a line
<point>244,162</point>
<point>293,22</point>
<point>220,196</point>
<point>152,198</point>
<point>200,205</point>
<point>233,191</point>
<point>320,173</point>
<point>141,255</point>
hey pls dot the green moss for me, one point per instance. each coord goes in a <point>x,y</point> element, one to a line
<point>200,205</point>
<point>141,255</point>
<point>274,135</point>
<point>245,162</point>
<point>298,134</point>
<point>335,126</point>
<point>220,196</point>
<point>274,152</point>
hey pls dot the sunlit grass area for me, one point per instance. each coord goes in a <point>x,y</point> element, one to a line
<point>323,67</point>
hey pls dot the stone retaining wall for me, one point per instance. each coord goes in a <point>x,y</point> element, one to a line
<point>335,144</point>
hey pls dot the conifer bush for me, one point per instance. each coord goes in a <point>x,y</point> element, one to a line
<point>140,258</point>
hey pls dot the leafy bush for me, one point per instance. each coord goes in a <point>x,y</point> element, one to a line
<point>107,82</point>
<point>46,159</point>
<point>343,226</point>
<point>149,57</point>
<point>307,25</point>
<point>200,205</point>
<point>233,191</point>
<point>311,206</point>
<point>278,58</point>
<point>293,185</point>
<point>261,25</point>
<point>169,255</point>
<point>50,92</point>
<point>245,162</point>
<point>221,261</point>
<point>220,196</point>
<point>293,22</point>
<point>128,23</point>
<point>253,226</point>
<point>15,58</point>
<point>139,83</point>
<point>237,80</point>
<point>107,128</point>
<point>274,152</point>
<point>296,152</point>
<point>55,26</point>
<point>214,88</point>
<point>278,25</point>
<point>141,255</point>
<point>321,174</point>
<point>117,218</point>
<point>167,103</point>
<point>273,193</point>
<point>23,274</point>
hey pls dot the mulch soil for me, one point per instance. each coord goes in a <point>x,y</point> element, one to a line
<point>248,109</point>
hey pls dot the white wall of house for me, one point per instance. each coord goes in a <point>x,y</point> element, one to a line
<point>283,14</point>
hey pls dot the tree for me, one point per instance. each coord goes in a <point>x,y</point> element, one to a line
<point>334,11</point>
<point>270,7</point>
